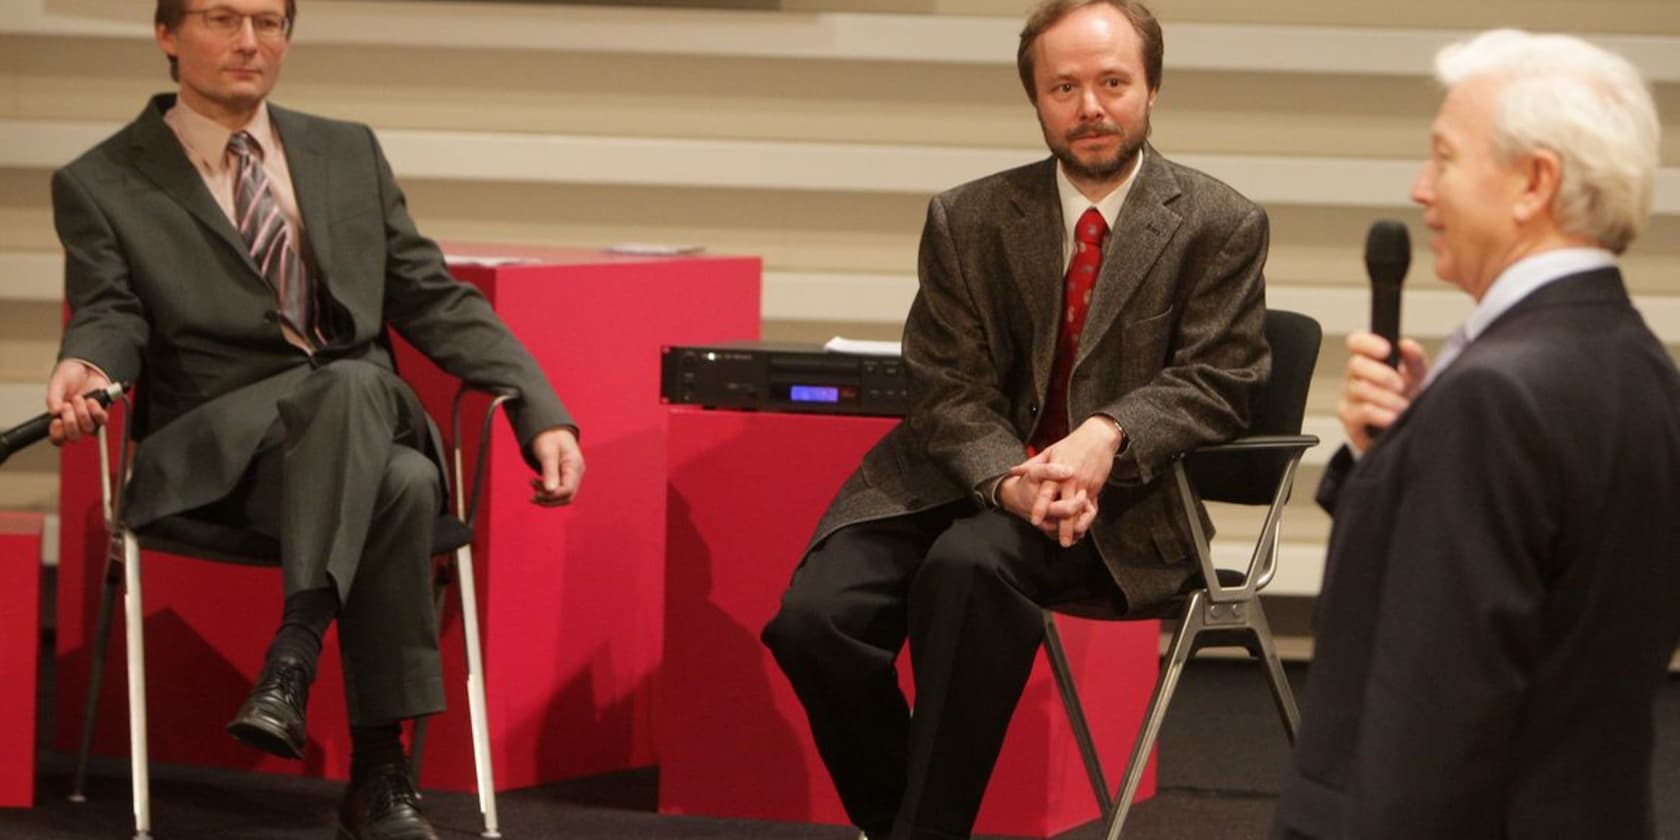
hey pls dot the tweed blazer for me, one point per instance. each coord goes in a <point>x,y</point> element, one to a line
<point>1173,348</point>
<point>159,283</point>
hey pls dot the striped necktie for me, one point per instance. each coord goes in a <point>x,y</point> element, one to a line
<point>266,234</point>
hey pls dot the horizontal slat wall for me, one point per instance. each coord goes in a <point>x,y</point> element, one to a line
<point>810,132</point>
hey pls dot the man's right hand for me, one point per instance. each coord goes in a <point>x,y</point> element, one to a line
<point>1374,394</point>
<point>74,415</point>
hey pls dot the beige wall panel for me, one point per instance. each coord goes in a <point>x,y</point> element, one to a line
<point>1288,114</point>
<point>30,490</point>
<point>79,78</point>
<point>1304,521</point>
<point>26,210</point>
<point>810,231</point>
<point>563,93</point>
<point>816,332</point>
<point>1644,17</point>
<point>665,96</point>
<point>28,340</point>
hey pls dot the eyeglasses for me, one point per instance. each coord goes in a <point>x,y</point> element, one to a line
<point>227,22</point>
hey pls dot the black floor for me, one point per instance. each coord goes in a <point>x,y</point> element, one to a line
<point>1222,754</point>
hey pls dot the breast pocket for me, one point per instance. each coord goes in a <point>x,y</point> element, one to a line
<point>1146,345</point>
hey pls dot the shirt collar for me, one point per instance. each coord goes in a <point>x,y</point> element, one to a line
<point>1074,203</point>
<point>1525,276</point>
<point>207,139</point>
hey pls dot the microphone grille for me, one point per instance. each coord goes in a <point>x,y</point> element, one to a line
<point>1388,251</point>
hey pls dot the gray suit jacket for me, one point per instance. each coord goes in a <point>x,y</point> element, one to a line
<point>159,283</point>
<point>1173,348</point>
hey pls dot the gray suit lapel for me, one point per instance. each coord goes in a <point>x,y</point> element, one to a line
<point>1141,232</point>
<point>308,166</point>
<point>159,157</point>
<point>1032,238</point>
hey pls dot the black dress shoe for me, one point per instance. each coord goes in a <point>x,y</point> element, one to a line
<point>271,719</point>
<point>383,806</point>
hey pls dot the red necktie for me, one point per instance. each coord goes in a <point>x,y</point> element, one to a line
<point>1076,301</point>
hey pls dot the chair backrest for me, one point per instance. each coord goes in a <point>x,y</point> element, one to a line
<point>1251,478</point>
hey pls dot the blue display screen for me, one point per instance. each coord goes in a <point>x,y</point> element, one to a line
<point>813,394</point>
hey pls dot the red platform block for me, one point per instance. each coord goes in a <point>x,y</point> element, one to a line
<point>569,600</point>
<point>20,643</point>
<point>746,491</point>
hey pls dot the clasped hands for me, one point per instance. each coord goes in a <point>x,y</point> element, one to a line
<point>1057,489</point>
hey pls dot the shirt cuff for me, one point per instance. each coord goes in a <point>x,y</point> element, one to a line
<point>93,367</point>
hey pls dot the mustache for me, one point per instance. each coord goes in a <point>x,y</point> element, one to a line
<point>1096,130</point>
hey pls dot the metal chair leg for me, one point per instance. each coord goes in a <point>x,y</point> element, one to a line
<point>1178,653</point>
<point>134,625</point>
<point>1075,712</point>
<point>96,669</point>
<point>476,705</point>
<point>1275,677</point>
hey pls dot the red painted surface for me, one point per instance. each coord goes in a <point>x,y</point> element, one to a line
<point>746,491</point>
<point>569,599</point>
<point>20,643</point>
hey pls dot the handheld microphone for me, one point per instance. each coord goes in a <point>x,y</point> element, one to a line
<point>1388,253</point>
<point>32,430</point>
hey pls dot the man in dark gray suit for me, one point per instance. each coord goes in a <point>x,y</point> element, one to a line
<point>1498,608</point>
<point>246,260</point>
<point>1055,370</point>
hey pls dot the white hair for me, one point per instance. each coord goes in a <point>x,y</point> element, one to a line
<point>1587,105</point>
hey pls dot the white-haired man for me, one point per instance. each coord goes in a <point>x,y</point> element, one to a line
<point>1498,606</point>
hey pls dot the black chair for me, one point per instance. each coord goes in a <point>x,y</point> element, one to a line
<point>1217,607</point>
<point>204,539</point>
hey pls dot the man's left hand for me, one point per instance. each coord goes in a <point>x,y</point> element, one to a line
<point>561,463</point>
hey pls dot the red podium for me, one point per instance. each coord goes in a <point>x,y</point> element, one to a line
<point>20,644</point>
<point>569,599</point>
<point>746,491</point>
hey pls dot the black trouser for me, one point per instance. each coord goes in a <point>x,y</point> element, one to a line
<point>965,588</point>
<point>341,483</point>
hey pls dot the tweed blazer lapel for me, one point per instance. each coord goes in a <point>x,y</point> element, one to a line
<point>1141,233</point>
<point>159,157</point>
<point>310,183</point>
<point>1032,239</point>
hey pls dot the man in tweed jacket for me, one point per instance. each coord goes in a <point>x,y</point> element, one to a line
<point>1018,479</point>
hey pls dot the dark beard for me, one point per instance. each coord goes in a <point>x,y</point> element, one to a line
<point>1102,170</point>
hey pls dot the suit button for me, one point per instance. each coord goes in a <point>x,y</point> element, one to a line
<point>270,316</point>
<point>1032,409</point>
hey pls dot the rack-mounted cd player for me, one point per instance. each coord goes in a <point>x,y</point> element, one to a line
<point>770,376</point>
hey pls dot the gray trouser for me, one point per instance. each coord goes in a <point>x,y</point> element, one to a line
<point>342,483</point>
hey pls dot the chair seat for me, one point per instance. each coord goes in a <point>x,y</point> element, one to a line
<point>1103,610</point>
<point>195,537</point>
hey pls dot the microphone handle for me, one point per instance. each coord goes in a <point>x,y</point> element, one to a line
<point>24,434</point>
<point>1385,317</point>
<point>35,428</point>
